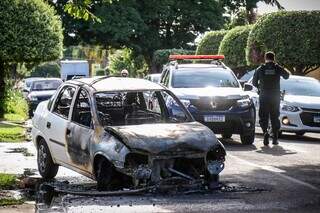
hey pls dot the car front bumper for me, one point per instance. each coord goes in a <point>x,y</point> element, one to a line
<point>240,121</point>
<point>301,121</point>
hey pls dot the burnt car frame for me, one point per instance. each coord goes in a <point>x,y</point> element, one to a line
<point>83,127</point>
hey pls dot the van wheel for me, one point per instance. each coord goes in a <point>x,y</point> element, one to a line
<point>47,168</point>
<point>104,173</point>
<point>247,138</point>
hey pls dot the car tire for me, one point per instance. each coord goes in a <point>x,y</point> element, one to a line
<point>300,133</point>
<point>104,173</point>
<point>47,168</point>
<point>247,138</point>
<point>226,135</point>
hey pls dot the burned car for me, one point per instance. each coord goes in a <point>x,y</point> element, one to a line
<point>112,129</point>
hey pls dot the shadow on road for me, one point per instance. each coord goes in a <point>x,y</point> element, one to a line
<point>275,151</point>
<point>233,145</point>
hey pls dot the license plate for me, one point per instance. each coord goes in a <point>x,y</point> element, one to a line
<point>316,119</point>
<point>214,118</point>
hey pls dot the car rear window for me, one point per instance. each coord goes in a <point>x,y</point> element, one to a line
<point>193,78</point>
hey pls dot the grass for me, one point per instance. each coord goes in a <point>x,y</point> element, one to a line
<point>10,201</point>
<point>11,133</point>
<point>7,181</point>
<point>16,118</point>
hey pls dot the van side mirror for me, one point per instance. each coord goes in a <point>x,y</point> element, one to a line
<point>248,87</point>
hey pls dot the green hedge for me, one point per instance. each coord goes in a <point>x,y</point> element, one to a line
<point>50,69</point>
<point>293,36</point>
<point>161,57</point>
<point>233,46</point>
<point>209,44</point>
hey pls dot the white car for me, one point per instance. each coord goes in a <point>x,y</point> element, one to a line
<point>300,107</point>
<point>120,130</point>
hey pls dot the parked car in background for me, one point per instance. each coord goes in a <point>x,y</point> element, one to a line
<point>153,77</point>
<point>27,85</point>
<point>74,68</point>
<point>300,107</point>
<point>41,90</point>
<point>111,128</point>
<point>246,77</point>
<point>213,95</point>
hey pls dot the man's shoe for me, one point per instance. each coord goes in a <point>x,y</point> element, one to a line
<point>266,139</point>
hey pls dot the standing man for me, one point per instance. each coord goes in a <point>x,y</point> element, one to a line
<point>267,79</point>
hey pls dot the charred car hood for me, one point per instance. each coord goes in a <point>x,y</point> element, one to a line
<point>158,138</point>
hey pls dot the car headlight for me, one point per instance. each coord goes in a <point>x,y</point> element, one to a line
<point>289,108</point>
<point>32,98</point>
<point>244,102</point>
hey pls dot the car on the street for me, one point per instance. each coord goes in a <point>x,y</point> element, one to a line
<point>246,77</point>
<point>300,104</point>
<point>26,85</point>
<point>153,77</point>
<point>212,94</point>
<point>110,128</point>
<point>40,90</point>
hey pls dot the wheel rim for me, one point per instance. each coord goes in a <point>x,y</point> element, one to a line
<point>42,158</point>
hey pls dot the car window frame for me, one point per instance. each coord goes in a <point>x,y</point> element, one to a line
<point>72,101</point>
<point>74,106</point>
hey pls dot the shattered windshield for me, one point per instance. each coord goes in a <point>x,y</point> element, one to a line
<point>139,107</point>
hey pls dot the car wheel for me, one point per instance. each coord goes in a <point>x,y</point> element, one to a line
<point>104,172</point>
<point>300,133</point>
<point>226,135</point>
<point>47,168</point>
<point>247,138</point>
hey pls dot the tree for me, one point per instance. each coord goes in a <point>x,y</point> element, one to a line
<point>126,59</point>
<point>292,36</point>
<point>147,25</point>
<point>210,43</point>
<point>30,33</point>
<point>161,57</point>
<point>233,46</point>
<point>51,69</point>
<point>234,6</point>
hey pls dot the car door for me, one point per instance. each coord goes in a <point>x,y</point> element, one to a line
<point>57,120</point>
<point>80,132</point>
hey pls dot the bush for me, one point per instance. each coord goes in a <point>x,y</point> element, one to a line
<point>50,69</point>
<point>161,57</point>
<point>293,36</point>
<point>7,181</point>
<point>209,44</point>
<point>233,46</point>
<point>15,106</point>
<point>100,72</point>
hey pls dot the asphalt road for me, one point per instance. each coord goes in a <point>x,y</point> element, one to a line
<point>283,178</point>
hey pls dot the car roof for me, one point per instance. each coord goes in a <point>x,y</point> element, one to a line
<point>109,84</point>
<point>296,77</point>
<point>200,66</point>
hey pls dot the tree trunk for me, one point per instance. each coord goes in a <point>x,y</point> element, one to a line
<point>299,70</point>
<point>2,88</point>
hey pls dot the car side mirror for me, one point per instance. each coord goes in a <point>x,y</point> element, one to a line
<point>248,87</point>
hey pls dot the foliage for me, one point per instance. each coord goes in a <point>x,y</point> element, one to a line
<point>15,106</point>
<point>126,59</point>
<point>100,72</point>
<point>161,57</point>
<point>30,32</point>
<point>209,44</point>
<point>7,181</point>
<point>145,25</point>
<point>11,133</point>
<point>291,35</point>
<point>239,19</point>
<point>233,46</point>
<point>10,201</point>
<point>49,69</point>
<point>235,6</point>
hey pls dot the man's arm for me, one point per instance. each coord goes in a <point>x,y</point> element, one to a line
<point>255,79</point>
<point>283,72</point>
